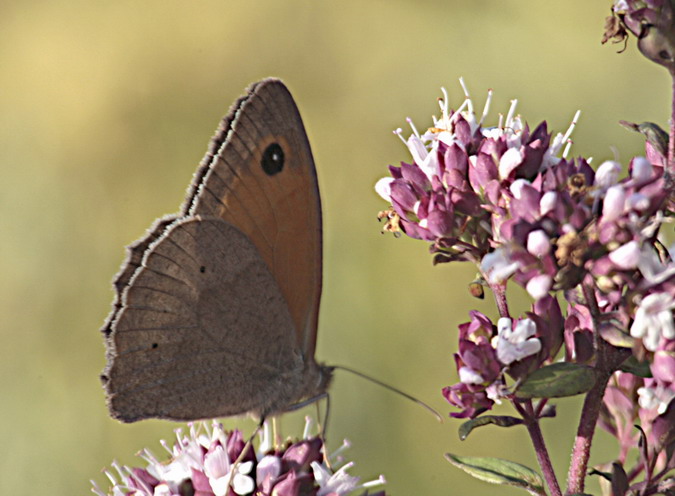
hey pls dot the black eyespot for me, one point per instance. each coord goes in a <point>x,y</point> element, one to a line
<point>154,345</point>
<point>273,159</point>
<point>202,269</point>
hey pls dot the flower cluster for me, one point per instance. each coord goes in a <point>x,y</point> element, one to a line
<point>214,462</point>
<point>508,199</point>
<point>488,352</point>
<point>502,196</point>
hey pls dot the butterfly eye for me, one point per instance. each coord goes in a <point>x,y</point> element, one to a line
<point>272,159</point>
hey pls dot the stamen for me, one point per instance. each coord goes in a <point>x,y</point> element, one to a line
<point>446,103</point>
<point>308,426</point>
<point>345,445</point>
<point>166,446</point>
<point>110,477</point>
<point>115,464</point>
<point>486,108</point>
<point>575,119</point>
<point>179,435</point>
<point>95,489</point>
<point>377,482</point>
<point>139,481</point>
<point>465,104</point>
<point>568,146</point>
<point>399,132</point>
<point>147,455</point>
<point>412,126</point>
<point>512,111</point>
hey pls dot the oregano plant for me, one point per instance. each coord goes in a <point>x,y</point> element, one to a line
<point>588,244</point>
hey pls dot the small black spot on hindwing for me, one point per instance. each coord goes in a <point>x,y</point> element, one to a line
<point>202,269</point>
<point>154,345</point>
<point>272,159</point>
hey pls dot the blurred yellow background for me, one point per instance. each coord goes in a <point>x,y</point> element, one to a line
<point>107,107</point>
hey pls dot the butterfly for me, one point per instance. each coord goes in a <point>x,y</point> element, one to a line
<point>216,307</point>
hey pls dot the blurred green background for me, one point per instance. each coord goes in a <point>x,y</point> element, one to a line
<point>105,110</point>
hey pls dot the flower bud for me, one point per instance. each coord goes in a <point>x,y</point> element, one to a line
<point>642,169</point>
<point>607,174</point>
<point>539,286</point>
<point>548,202</point>
<point>626,256</point>
<point>614,203</point>
<point>538,243</point>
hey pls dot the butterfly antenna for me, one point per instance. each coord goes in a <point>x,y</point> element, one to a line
<point>392,388</point>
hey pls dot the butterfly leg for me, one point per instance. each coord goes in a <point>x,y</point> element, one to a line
<point>240,458</point>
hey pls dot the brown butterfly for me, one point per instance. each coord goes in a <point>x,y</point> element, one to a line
<point>217,307</point>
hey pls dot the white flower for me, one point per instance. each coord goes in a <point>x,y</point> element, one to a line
<point>426,160</point>
<point>651,267</point>
<point>654,319</point>
<point>514,345</point>
<point>383,187</point>
<point>655,398</point>
<point>496,391</point>
<point>219,469</point>
<point>469,376</point>
<point>626,256</point>
<point>340,483</point>
<point>539,286</point>
<point>498,266</point>
<point>269,466</point>
<point>517,187</point>
<point>638,202</point>
<point>511,159</point>
<point>548,202</point>
<point>620,6</point>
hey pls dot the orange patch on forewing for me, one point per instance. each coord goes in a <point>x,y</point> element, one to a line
<point>279,215</point>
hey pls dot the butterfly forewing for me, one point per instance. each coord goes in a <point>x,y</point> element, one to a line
<point>279,210</point>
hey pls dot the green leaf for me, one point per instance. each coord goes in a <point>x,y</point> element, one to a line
<point>500,420</point>
<point>498,471</point>
<point>652,132</point>
<point>640,369</point>
<point>557,380</point>
<point>616,337</point>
